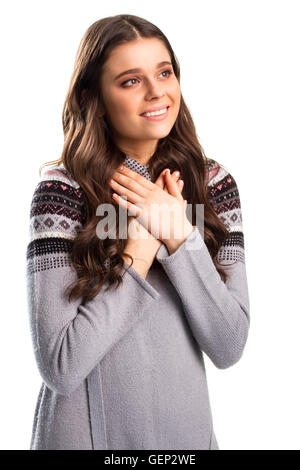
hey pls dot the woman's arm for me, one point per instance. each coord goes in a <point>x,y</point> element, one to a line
<point>218,313</point>
<point>69,339</point>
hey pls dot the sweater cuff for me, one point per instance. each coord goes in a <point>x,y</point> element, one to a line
<point>193,242</point>
<point>193,245</point>
<point>145,284</point>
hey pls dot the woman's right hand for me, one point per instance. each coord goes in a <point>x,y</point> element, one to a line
<point>139,228</point>
<point>144,246</point>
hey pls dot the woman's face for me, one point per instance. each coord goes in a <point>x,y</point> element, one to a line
<point>131,94</point>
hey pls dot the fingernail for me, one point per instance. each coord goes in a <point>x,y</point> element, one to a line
<point>176,173</point>
<point>121,167</point>
<point>180,182</point>
<point>168,171</point>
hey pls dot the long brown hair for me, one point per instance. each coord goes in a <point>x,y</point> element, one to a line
<point>91,157</point>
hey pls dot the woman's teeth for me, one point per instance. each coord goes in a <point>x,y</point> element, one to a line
<point>156,113</point>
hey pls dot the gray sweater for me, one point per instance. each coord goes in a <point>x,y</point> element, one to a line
<point>126,369</point>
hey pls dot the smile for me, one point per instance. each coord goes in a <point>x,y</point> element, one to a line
<point>157,115</point>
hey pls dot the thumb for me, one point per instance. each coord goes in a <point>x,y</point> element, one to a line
<point>172,186</point>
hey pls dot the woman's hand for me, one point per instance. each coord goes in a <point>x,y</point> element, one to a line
<point>143,246</point>
<point>136,228</point>
<point>155,207</point>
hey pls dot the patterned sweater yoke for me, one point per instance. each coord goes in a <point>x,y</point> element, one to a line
<point>225,198</point>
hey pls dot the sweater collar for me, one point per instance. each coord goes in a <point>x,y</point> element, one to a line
<point>136,166</point>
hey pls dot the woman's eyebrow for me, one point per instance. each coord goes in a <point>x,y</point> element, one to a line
<point>126,72</point>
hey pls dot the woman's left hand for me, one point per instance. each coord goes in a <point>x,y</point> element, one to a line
<point>161,213</point>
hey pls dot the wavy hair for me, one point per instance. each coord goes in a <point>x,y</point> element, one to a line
<point>91,156</point>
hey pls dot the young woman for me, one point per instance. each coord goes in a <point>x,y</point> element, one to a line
<point>122,365</point>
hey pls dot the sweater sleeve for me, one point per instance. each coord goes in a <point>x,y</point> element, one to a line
<point>217,312</point>
<point>70,338</point>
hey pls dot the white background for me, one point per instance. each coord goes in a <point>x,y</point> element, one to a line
<point>240,78</point>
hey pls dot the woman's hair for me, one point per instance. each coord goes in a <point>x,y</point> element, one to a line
<point>91,157</point>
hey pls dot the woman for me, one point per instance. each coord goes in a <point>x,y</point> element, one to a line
<point>123,366</point>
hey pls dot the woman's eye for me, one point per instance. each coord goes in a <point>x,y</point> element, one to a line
<point>132,79</point>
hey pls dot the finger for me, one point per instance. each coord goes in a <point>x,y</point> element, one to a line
<point>175,175</point>
<point>122,188</point>
<point>133,210</point>
<point>172,186</point>
<point>133,181</point>
<point>180,184</point>
<point>128,185</point>
<point>160,180</point>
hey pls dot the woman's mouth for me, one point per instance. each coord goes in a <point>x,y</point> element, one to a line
<point>157,116</point>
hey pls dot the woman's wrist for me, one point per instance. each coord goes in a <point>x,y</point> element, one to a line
<point>140,265</point>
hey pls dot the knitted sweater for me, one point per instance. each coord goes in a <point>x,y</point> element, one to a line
<point>126,369</point>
